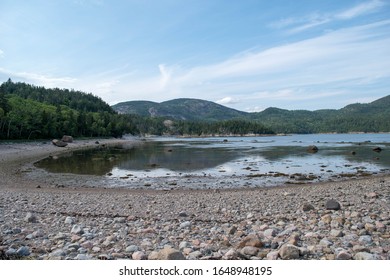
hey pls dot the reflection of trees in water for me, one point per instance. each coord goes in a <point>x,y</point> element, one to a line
<point>189,157</point>
<point>148,156</point>
<point>175,158</point>
<point>353,153</point>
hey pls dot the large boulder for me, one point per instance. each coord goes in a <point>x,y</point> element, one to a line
<point>67,139</point>
<point>59,143</point>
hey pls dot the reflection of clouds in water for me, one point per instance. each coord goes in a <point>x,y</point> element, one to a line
<point>261,159</point>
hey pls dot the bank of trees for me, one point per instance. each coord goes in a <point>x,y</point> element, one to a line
<point>30,112</point>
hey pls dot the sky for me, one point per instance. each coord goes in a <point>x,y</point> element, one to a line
<point>247,55</point>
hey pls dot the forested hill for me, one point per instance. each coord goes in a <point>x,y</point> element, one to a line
<point>370,117</point>
<point>180,109</point>
<point>30,112</point>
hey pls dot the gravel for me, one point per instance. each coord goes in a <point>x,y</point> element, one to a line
<point>295,222</point>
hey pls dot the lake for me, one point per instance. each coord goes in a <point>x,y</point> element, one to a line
<point>271,160</point>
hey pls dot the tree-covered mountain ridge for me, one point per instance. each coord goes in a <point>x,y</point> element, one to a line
<point>358,117</point>
<point>180,109</point>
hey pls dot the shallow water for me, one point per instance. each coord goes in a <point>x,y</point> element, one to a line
<point>273,160</point>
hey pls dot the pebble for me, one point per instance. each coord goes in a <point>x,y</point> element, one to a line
<point>170,254</point>
<point>222,225</point>
<point>185,224</point>
<point>289,252</point>
<point>77,229</point>
<point>139,255</point>
<point>69,220</point>
<point>332,205</point>
<point>30,218</point>
<point>364,256</point>
<point>23,251</point>
<point>343,255</point>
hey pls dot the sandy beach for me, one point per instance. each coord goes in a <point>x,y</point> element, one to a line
<point>45,216</point>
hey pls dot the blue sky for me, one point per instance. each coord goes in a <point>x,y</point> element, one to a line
<point>247,54</point>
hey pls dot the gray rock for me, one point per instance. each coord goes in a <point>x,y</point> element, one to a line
<point>184,244</point>
<point>195,255</point>
<point>249,251</point>
<point>183,214</point>
<point>273,255</point>
<point>23,251</point>
<point>77,229</point>
<point>231,254</point>
<point>289,252</point>
<point>269,233</point>
<point>336,233</point>
<point>170,254</point>
<point>232,230</point>
<point>67,139</point>
<point>82,257</point>
<point>10,252</point>
<point>365,239</point>
<point>139,255</point>
<point>364,256</point>
<point>332,204</point>
<point>131,249</point>
<point>16,231</point>
<point>69,220</point>
<point>326,243</point>
<point>30,218</point>
<point>57,253</point>
<point>185,224</point>
<point>59,143</point>
<point>307,207</point>
<point>343,255</point>
<point>120,220</point>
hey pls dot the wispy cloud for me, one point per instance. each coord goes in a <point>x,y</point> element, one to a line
<point>312,68</point>
<point>40,79</point>
<point>1,53</point>
<point>361,9</point>
<point>302,23</point>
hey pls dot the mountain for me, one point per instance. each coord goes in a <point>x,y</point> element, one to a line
<point>370,117</point>
<point>180,109</point>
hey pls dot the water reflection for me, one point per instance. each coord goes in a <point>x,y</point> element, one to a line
<point>238,156</point>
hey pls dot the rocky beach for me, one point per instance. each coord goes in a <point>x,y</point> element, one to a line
<point>59,217</point>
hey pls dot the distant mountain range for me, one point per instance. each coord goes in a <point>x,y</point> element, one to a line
<point>180,109</point>
<point>370,117</point>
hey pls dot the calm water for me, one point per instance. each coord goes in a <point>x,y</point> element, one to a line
<point>276,158</point>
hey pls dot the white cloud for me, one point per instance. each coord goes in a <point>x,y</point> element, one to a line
<point>40,79</point>
<point>165,75</point>
<point>290,72</point>
<point>299,24</point>
<point>361,9</point>
<point>227,100</point>
<point>1,53</point>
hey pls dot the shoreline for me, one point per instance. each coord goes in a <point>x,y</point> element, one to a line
<point>39,220</point>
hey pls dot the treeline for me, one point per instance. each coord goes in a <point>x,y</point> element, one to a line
<point>30,112</point>
<point>237,127</point>
<point>162,126</point>
<point>372,117</point>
